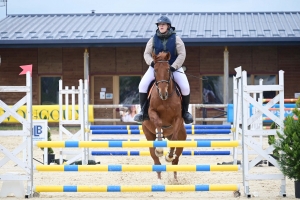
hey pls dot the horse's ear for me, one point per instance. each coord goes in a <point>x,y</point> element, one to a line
<point>168,56</point>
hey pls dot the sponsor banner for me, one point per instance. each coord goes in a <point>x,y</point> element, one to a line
<point>48,112</point>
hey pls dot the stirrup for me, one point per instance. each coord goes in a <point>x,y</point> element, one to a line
<point>188,118</point>
<point>138,117</point>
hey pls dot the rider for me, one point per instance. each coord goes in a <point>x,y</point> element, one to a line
<point>165,39</point>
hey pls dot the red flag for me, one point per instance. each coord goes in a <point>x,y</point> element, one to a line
<point>26,68</point>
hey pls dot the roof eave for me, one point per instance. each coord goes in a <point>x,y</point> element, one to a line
<point>142,41</point>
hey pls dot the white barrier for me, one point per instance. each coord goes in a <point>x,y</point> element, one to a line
<point>81,95</point>
<point>243,123</point>
<point>15,178</point>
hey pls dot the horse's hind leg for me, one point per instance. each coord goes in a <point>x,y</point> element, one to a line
<point>156,160</point>
<point>178,152</point>
<point>170,156</point>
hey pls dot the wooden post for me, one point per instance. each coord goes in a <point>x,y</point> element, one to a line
<point>226,76</point>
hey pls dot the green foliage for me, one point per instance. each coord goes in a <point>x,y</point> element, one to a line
<point>50,150</point>
<point>288,145</point>
<point>271,138</point>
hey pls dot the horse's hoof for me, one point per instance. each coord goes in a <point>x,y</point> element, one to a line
<point>159,182</point>
<point>168,159</point>
<point>236,194</point>
<point>159,153</point>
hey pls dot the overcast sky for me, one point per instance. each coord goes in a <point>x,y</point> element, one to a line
<point>121,6</point>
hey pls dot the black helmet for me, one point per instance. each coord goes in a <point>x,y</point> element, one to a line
<point>163,19</point>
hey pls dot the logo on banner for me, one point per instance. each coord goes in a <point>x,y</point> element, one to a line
<point>39,132</point>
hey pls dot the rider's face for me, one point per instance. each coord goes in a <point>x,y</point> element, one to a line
<point>163,27</point>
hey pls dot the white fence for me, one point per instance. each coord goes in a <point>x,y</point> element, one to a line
<point>243,126</point>
<point>13,180</point>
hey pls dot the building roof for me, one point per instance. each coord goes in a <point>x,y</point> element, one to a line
<point>135,29</point>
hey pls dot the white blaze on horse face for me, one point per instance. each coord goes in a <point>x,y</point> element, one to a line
<point>163,91</point>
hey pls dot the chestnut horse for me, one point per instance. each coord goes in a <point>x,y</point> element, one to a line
<point>164,112</point>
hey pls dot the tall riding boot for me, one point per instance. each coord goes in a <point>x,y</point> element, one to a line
<point>188,118</point>
<point>142,115</point>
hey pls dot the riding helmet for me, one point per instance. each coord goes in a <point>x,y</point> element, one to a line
<point>163,19</point>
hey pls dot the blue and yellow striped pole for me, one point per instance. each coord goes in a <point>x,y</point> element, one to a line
<point>189,139</point>
<point>188,131</point>
<point>136,188</point>
<point>139,127</point>
<point>147,153</point>
<point>103,144</point>
<point>136,168</point>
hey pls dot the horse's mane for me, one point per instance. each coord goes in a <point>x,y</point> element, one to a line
<point>161,56</point>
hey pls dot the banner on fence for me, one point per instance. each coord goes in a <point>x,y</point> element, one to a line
<point>48,112</point>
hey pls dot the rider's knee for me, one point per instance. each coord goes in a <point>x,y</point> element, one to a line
<point>185,90</point>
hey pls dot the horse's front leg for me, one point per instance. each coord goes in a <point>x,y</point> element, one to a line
<point>176,126</point>
<point>159,151</point>
<point>179,134</point>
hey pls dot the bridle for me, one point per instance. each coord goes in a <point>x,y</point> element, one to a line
<point>161,81</point>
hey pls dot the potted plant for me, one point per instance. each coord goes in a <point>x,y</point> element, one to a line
<point>288,146</point>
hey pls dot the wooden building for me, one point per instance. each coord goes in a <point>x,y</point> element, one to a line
<point>109,48</point>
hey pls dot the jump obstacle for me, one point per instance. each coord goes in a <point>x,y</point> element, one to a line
<point>244,123</point>
<point>147,153</point>
<point>130,144</point>
<point>136,168</point>
<point>241,127</point>
<point>137,129</point>
<point>138,188</point>
<point>13,181</point>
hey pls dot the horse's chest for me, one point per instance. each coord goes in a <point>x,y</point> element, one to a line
<point>167,110</point>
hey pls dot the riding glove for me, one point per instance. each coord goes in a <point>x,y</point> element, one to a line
<point>172,69</point>
<point>152,64</point>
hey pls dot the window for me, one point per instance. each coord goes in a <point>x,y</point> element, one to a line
<point>267,80</point>
<point>212,89</point>
<point>129,89</point>
<point>49,90</point>
<point>230,87</point>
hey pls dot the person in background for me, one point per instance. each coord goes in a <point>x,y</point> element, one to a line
<point>165,39</point>
<point>129,115</point>
<point>208,96</point>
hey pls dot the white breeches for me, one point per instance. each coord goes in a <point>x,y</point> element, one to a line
<point>179,77</point>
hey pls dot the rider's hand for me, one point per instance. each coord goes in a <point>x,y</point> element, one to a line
<point>152,64</point>
<point>172,69</point>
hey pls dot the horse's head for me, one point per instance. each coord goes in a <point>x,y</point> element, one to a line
<point>162,73</point>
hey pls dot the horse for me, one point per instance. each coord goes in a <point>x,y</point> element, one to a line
<point>164,112</point>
